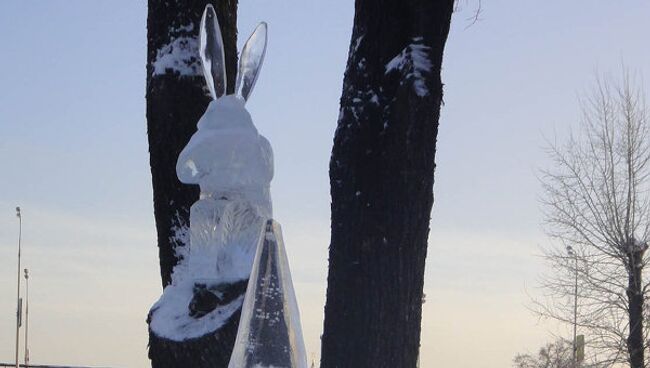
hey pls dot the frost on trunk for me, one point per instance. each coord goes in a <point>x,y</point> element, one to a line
<point>381,179</point>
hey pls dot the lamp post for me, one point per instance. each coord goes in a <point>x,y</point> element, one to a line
<point>18,301</point>
<point>573,254</point>
<point>26,316</point>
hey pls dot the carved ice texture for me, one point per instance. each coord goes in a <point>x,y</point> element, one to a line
<point>252,56</point>
<point>269,334</point>
<point>233,166</point>
<point>211,50</point>
<point>230,161</point>
<point>230,224</point>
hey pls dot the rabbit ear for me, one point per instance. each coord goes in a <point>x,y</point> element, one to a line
<point>250,62</point>
<point>212,53</point>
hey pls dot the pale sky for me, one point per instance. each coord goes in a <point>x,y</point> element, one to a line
<point>73,149</point>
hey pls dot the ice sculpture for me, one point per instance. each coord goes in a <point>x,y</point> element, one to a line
<point>212,54</point>
<point>230,161</point>
<point>231,231</point>
<point>269,334</point>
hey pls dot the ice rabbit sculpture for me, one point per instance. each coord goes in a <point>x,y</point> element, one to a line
<point>230,224</point>
<point>230,161</point>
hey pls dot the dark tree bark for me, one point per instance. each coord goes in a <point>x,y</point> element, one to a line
<point>175,102</point>
<point>208,351</point>
<point>381,177</point>
<point>635,297</point>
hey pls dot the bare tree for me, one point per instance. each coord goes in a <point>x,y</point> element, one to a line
<point>557,354</point>
<point>596,200</point>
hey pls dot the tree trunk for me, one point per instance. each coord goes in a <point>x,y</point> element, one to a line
<point>176,99</point>
<point>381,177</point>
<point>635,343</point>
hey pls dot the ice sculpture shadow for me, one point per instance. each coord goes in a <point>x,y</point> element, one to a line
<point>269,332</point>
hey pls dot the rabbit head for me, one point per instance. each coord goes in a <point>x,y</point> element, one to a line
<point>227,154</point>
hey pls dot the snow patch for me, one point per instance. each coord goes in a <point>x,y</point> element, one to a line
<point>170,318</point>
<point>413,63</point>
<point>180,56</point>
<point>188,28</point>
<point>357,42</point>
<point>362,64</point>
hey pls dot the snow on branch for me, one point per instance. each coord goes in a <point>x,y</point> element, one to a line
<point>413,63</point>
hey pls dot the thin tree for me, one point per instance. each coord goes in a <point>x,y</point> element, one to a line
<point>596,200</point>
<point>176,99</point>
<point>381,178</point>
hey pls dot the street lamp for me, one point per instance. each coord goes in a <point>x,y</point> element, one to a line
<point>18,300</point>
<point>573,254</point>
<point>26,316</point>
